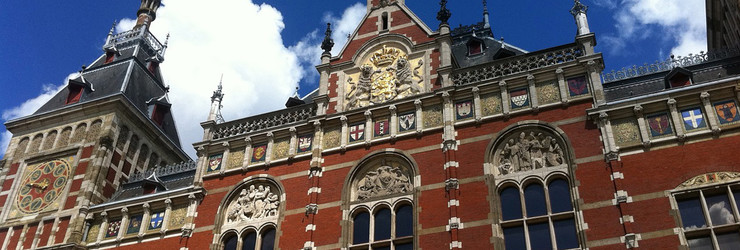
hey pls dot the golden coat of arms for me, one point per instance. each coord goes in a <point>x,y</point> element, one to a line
<point>386,76</point>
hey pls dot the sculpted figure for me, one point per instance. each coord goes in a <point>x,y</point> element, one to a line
<point>536,148</point>
<point>524,155</point>
<point>405,79</point>
<point>253,203</point>
<point>385,180</point>
<point>554,153</point>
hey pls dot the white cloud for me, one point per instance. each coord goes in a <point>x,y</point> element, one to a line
<point>28,107</point>
<point>309,49</point>
<point>681,23</point>
<point>236,38</point>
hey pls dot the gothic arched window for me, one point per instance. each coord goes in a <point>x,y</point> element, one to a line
<point>381,207</point>
<point>532,175</point>
<point>252,209</point>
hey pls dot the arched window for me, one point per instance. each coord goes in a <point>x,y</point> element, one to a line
<point>381,203</point>
<point>252,208</point>
<point>531,172</point>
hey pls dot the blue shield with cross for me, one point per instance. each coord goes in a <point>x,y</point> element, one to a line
<point>693,119</point>
<point>156,221</point>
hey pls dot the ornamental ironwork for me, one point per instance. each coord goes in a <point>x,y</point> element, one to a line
<point>262,122</point>
<point>164,171</point>
<point>669,64</point>
<point>519,64</point>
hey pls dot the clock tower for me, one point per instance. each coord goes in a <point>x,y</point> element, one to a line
<point>112,121</point>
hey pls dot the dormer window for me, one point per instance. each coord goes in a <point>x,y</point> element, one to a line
<point>678,77</point>
<point>153,67</point>
<point>157,113</point>
<point>110,56</point>
<point>475,48</point>
<point>75,93</point>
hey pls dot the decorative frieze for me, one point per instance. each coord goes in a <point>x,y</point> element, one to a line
<point>252,204</point>
<point>529,150</point>
<point>383,180</point>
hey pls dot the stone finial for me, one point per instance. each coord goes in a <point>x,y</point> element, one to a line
<point>444,14</point>
<point>328,42</point>
<point>578,8</point>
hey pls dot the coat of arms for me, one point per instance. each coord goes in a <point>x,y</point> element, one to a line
<point>519,98</point>
<point>304,143</point>
<point>727,112</point>
<point>381,128</point>
<point>387,76</point>
<point>113,228</point>
<point>659,125</point>
<point>464,109</point>
<point>693,119</point>
<point>134,224</point>
<point>156,221</point>
<point>407,122</point>
<point>258,153</point>
<point>577,86</point>
<point>214,162</point>
<point>357,132</point>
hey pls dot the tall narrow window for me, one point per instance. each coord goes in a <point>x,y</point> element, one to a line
<point>385,20</point>
<point>249,241</point>
<point>382,235</point>
<point>268,239</point>
<point>230,243</point>
<point>361,228</point>
<point>709,217</point>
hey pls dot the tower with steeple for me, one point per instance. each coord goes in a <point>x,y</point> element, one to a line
<point>112,121</point>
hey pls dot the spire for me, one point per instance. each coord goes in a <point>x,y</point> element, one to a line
<point>164,47</point>
<point>579,13</point>
<point>147,13</point>
<point>444,14</point>
<point>486,22</point>
<point>328,43</point>
<point>216,98</point>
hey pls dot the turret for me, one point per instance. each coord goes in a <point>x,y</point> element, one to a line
<point>147,13</point>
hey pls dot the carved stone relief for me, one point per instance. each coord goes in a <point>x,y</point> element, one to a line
<point>548,92</point>
<point>710,178</point>
<point>254,203</point>
<point>626,132</point>
<point>432,116</point>
<point>281,149</point>
<point>332,138</point>
<point>387,74</point>
<point>491,104</point>
<point>178,217</point>
<point>236,159</point>
<point>529,150</point>
<point>382,180</point>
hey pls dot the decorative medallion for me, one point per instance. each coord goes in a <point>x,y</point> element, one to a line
<point>577,86</point>
<point>727,112</point>
<point>660,125</point>
<point>528,151</point>
<point>693,119</point>
<point>214,162</point>
<point>258,153</point>
<point>177,218</point>
<point>236,159</point>
<point>386,75</point>
<point>407,122</point>
<point>156,221</point>
<point>626,132</point>
<point>464,110</point>
<point>42,184</point>
<point>257,202</point>
<point>710,178</point>
<point>491,104</point>
<point>432,116</point>
<point>332,138</point>
<point>519,98</point>
<point>357,132</point>
<point>134,224</point>
<point>305,143</point>
<point>113,228</point>
<point>383,180</point>
<point>280,149</point>
<point>92,233</point>
<point>382,128</point>
<point>548,92</point>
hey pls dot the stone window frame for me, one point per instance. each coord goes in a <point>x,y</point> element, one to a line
<point>545,175</point>
<point>351,207</point>
<point>222,230</point>
<point>700,190</point>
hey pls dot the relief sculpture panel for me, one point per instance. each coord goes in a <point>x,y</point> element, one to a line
<point>387,74</point>
<point>529,150</point>
<point>382,180</point>
<point>256,202</point>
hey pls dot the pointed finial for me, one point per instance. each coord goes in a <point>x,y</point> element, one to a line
<point>578,8</point>
<point>296,92</point>
<point>444,14</point>
<point>167,40</point>
<point>112,28</point>
<point>485,7</point>
<point>486,23</point>
<point>328,43</point>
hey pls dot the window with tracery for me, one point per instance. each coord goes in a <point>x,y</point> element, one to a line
<point>250,216</point>
<point>382,204</point>
<point>708,211</point>
<point>532,177</point>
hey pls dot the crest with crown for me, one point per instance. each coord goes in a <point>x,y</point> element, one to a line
<point>385,56</point>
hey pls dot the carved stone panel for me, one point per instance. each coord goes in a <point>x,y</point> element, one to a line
<point>332,138</point>
<point>491,104</point>
<point>257,202</point>
<point>626,132</point>
<point>548,92</point>
<point>386,74</point>
<point>433,116</point>
<point>382,178</point>
<point>236,158</point>
<point>528,150</point>
<point>281,148</point>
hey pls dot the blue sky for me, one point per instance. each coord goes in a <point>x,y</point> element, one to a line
<point>266,48</point>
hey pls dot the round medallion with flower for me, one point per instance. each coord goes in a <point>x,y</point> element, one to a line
<point>42,185</point>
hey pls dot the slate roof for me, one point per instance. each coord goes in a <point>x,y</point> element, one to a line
<point>126,76</point>
<point>656,82</point>
<point>171,177</point>
<point>493,49</point>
